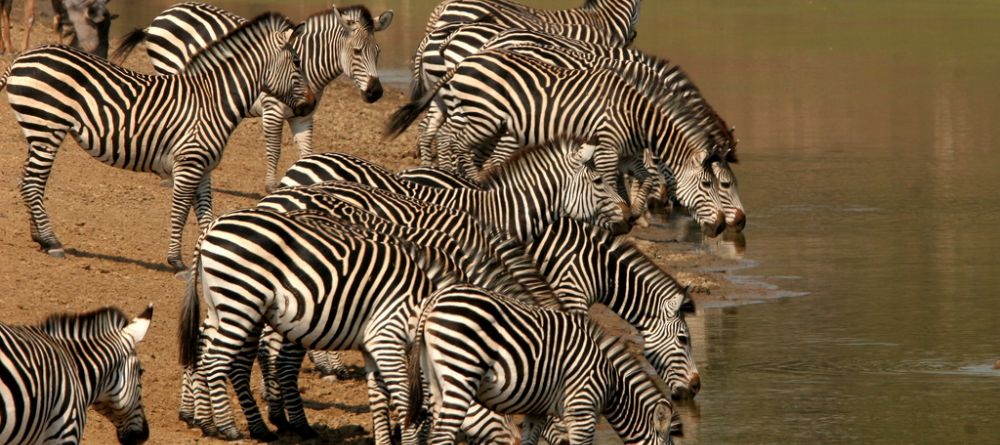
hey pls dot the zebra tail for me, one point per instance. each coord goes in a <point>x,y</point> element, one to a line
<point>127,44</point>
<point>405,115</point>
<point>415,413</point>
<point>188,330</point>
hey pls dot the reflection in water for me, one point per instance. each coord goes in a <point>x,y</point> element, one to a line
<point>868,168</point>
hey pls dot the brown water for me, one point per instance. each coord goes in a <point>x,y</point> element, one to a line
<point>869,134</point>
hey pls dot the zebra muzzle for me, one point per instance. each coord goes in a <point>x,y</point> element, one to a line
<point>374,91</point>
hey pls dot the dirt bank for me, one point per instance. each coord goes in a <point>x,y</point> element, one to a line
<point>115,227</point>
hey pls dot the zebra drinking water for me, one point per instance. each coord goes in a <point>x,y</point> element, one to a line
<point>175,126</point>
<point>54,371</point>
<point>330,42</point>
<point>476,345</point>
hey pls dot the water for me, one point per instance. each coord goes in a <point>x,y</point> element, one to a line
<point>869,172</point>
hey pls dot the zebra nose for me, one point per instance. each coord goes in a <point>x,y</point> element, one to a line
<point>714,228</point>
<point>306,105</point>
<point>374,91</point>
<point>135,436</point>
<point>695,384</point>
<point>739,220</point>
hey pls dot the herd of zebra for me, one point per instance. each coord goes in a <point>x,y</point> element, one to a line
<point>465,282</point>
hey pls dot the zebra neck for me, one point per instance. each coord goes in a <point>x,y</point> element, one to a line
<point>319,47</point>
<point>233,84</point>
<point>88,371</point>
<point>574,261</point>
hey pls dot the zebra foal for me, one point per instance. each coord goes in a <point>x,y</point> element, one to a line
<point>474,345</point>
<point>174,126</point>
<point>52,372</point>
<point>330,42</point>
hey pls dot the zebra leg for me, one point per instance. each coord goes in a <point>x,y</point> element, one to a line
<point>487,427</point>
<point>239,375</point>
<point>35,175</point>
<point>458,394</point>
<point>186,413</point>
<point>267,356</point>
<point>581,424</point>
<point>554,432</point>
<point>288,364</point>
<point>189,175</point>
<point>214,366</point>
<point>203,203</point>
<point>29,22</point>
<point>5,43</point>
<point>329,365</point>
<point>531,428</point>
<point>273,123</point>
<point>378,399</point>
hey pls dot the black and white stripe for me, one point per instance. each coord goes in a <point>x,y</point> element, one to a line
<point>330,42</point>
<point>474,345</point>
<point>54,371</point>
<point>174,126</point>
<point>318,286</point>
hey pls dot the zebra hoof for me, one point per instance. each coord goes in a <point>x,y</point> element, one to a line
<point>58,252</point>
<point>167,183</point>
<point>281,423</point>
<point>263,436</point>
<point>230,433</point>
<point>306,432</point>
<point>331,378</point>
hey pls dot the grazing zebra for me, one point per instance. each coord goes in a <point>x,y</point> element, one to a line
<point>174,126</point>
<point>523,196</point>
<point>319,288</point>
<point>54,371</point>
<point>330,42</point>
<point>498,90</point>
<point>477,345</point>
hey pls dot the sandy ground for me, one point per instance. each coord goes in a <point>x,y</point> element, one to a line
<point>115,227</point>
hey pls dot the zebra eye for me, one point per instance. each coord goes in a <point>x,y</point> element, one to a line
<point>706,184</point>
<point>726,185</point>
<point>357,51</point>
<point>599,180</point>
<point>682,339</point>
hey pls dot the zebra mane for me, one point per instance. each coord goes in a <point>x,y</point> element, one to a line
<point>682,98</point>
<point>228,45</point>
<point>495,174</point>
<point>92,324</point>
<point>359,13</point>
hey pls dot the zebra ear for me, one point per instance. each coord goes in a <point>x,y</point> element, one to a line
<point>586,152</point>
<point>136,330</point>
<point>349,24</point>
<point>383,21</point>
<point>663,415</point>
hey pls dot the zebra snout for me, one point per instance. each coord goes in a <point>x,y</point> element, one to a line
<point>739,220</point>
<point>374,91</point>
<point>695,384</point>
<point>713,228</point>
<point>135,436</point>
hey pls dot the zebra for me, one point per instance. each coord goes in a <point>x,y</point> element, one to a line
<point>499,90</point>
<point>331,42</point>
<point>318,288</point>
<point>544,182</point>
<point>169,125</point>
<point>52,372</point>
<point>467,39</point>
<point>476,345</point>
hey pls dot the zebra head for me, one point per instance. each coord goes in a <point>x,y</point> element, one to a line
<point>593,195</point>
<point>728,193</point>
<point>283,77</point>
<point>359,51</point>
<point>694,186</point>
<point>119,392</point>
<point>668,348</point>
